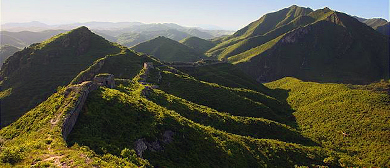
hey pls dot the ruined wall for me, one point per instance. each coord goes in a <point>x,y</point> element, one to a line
<point>89,73</point>
<point>83,89</point>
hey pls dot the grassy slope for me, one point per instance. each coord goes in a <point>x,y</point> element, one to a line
<point>198,44</point>
<point>258,28</point>
<point>35,72</point>
<point>35,139</point>
<point>247,55</point>
<point>323,58</point>
<point>168,50</point>
<point>235,101</point>
<point>127,117</point>
<point>207,132</point>
<point>253,46</point>
<point>325,111</point>
<point>6,51</point>
<point>224,74</point>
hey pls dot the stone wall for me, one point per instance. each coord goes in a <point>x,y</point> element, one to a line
<point>89,73</point>
<point>83,89</point>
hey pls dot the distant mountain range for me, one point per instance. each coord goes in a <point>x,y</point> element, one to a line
<point>125,33</point>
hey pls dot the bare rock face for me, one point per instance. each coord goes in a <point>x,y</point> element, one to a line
<point>294,36</point>
<point>140,147</point>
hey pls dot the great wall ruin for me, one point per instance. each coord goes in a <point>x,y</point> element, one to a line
<point>83,89</point>
<point>88,81</point>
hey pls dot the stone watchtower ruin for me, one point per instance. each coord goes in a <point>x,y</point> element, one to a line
<point>106,80</point>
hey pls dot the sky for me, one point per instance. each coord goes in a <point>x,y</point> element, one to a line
<point>225,14</point>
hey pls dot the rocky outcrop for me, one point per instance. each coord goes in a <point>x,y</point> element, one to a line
<point>294,36</point>
<point>141,145</point>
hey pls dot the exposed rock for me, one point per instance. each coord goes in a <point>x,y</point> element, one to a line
<point>294,36</point>
<point>168,136</point>
<point>148,65</point>
<point>140,147</point>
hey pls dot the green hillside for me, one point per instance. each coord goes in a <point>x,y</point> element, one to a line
<point>168,50</point>
<point>351,58</point>
<point>295,88</point>
<point>193,144</point>
<point>224,74</point>
<point>198,44</point>
<point>190,122</point>
<point>321,45</point>
<point>33,74</point>
<point>349,118</point>
<point>6,51</point>
<point>259,29</point>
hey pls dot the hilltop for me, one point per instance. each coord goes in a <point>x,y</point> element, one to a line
<point>198,44</point>
<point>322,45</point>
<point>168,50</point>
<point>31,75</point>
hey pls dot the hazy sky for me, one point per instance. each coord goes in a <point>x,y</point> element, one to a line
<point>226,14</point>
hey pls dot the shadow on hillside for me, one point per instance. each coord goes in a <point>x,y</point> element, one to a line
<point>282,95</point>
<point>240,125</point>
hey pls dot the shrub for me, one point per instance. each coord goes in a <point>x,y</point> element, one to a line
<point>11,155</point>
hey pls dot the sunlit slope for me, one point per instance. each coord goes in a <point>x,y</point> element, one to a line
<point>349,118</point>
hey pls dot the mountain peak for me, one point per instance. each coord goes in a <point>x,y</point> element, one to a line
<point>82,30</point>
<point>327,9</point>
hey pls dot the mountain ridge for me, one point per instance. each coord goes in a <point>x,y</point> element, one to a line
<point>248,53</point>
